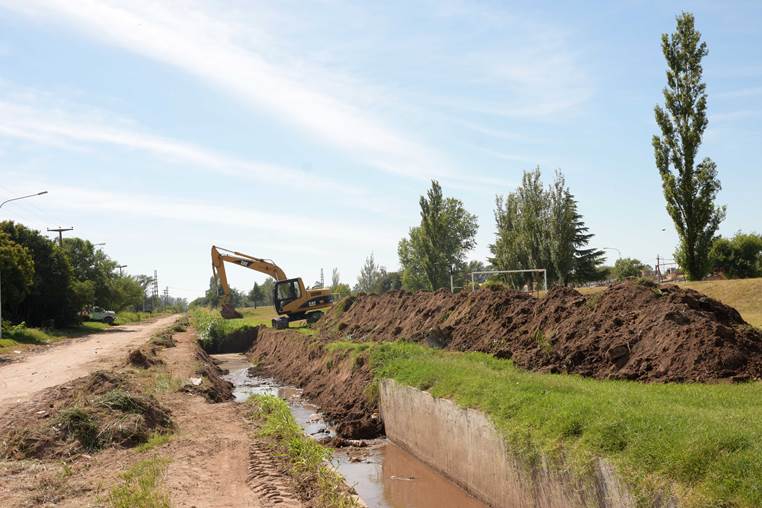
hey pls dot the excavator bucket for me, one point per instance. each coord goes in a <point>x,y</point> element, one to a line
<point>229,312</point>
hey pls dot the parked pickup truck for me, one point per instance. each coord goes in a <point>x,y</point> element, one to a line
<point>100,314</point>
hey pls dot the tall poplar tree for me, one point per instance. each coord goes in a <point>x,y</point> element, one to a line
<point>690,189</point>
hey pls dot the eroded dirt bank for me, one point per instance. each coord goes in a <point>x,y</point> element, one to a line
<point>337,381</point>
<point>630,331</point>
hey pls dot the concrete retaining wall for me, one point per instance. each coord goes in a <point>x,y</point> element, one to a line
<point>465,446</point>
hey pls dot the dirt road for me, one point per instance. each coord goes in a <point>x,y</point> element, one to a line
<point>79,357</point>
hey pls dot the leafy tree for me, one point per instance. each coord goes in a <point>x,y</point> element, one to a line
<point>51,299</point>
<point>91,264</point>
<point>213,294</point>
<point>539,228</point>
<point>690,189</point>
<point>17,273</point>
<point>125,291</point>
<point>409,251</point>
<point>256,295</point>
<point>370,276</point>
<point>439,244</point>
<point>389,281</point>
<point>339,289</point>
<point>267,289</point>
<point>627,267</point>
<point>737,257</point>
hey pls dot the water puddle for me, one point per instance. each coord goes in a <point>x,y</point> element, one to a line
<point>383,474</point>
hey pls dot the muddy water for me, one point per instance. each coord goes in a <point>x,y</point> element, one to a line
<point>383,474</point>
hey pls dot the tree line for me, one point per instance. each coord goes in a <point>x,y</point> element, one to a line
<point>47,284</point>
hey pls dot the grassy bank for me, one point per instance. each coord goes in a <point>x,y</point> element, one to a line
<point>211,326</point>
<point>307,460</point>
<point>706,440</point>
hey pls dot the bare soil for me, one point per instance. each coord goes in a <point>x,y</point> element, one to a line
<point>72,359</point>
<point>630,331</point>
<point>214,458</point>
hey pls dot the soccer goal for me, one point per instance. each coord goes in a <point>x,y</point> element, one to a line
<point>496,272</point>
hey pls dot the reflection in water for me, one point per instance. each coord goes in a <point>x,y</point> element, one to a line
<point>386,476</point>
<point>409,483</point>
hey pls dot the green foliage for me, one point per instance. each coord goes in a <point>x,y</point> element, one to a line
<point>80,425</point>
<point>50,298</point>
<point>370,276</point>
<point>739,257</point>
<point>539,228</point>
<point>16,271</point>
<point>308,460</point>
<point>705,438</point>
<point>627,268</point>
<point>257,295</point>
<point>439,243</point>
<point>154,441</point>
<point>141,486</point>
<point>690,189</point>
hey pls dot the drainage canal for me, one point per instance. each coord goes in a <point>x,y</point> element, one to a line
<point>383,474</point>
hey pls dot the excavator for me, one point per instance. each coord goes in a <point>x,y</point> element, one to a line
<point>293,302</point>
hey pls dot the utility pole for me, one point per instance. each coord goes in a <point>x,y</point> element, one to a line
<point>155,290</point>
<point>120,268</point>
<point>166,296</point>
<point>322,279</point>
<point>60,231</point>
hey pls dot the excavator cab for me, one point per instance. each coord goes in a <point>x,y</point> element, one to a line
<point>285,292</point>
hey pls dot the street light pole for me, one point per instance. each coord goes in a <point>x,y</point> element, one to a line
<point>23,197</point>
<point>1,275</point>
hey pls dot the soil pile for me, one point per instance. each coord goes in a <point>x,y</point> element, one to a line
<point>211,385</point>
<point>97,411</point>
<point>632,330</point>
<point>337,381</point>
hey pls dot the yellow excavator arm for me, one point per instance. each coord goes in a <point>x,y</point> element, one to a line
<point>290,297</point>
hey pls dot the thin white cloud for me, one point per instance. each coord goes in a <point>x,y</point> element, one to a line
<point>53,127</point>
<point>742,92</point>
<point>204,44</point>
<point>250,219</point>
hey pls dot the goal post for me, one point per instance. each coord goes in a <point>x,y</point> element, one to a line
<point>496,272</point>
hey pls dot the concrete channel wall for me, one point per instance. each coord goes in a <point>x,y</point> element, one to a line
<point>465,446</point>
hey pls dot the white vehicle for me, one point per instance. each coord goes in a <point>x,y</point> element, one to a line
<point>100,314</point>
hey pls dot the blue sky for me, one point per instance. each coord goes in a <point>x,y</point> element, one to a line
<point>305,131</point>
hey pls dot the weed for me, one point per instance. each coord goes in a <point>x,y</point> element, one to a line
<point>163,382</point>
<point>306,457</point>
<point>140,486</point>
<point>544,342</point>
<point>79,424</point>
<point>154,440</point>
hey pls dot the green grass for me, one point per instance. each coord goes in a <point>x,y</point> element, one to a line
<point>141,486</point>
<point>706,440</point>
<point>211,326</point>
<point>308,460</point>
<point>154,440</point>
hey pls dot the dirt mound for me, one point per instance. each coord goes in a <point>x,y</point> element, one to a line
<point>212,386</point>
<point>84,415</point>
<point>143,358</point>
<point>337,381</point>
<point>632,330</point>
